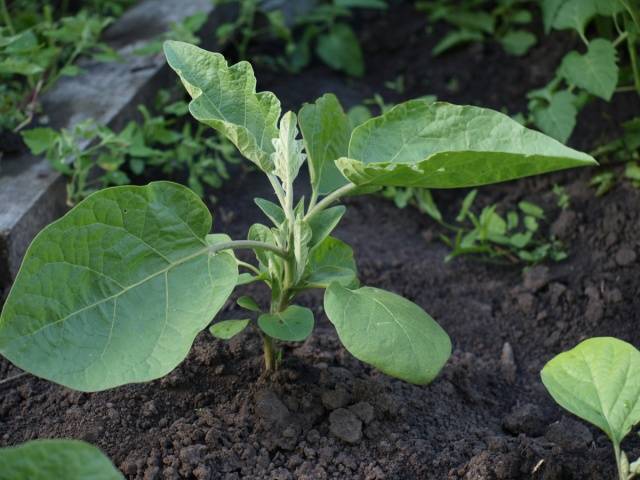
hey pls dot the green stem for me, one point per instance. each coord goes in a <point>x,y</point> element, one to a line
<point>329,199</point>
<point>616,451</point>
<point>621,38</point>
<point>248,266</point>
<point>6,17</point>
<point>244,244</point>
<point>269,353</point>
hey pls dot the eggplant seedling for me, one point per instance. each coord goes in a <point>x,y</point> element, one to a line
<point>599,381</point>
<point>116,291</point>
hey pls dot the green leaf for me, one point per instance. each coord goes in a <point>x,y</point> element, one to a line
<point>271,210</point>
<point>39,139</point>
<point>439,145</point>
<point>324,222</point>
<point>332,261</point>
<point>293,325</point>
<point>268,260</point>
<point>389,332</point>
<point>531,209</point>
<point>518,42</point>
<point>574,15</point>
<point>225,98</point>
<point>248,303</point>
<point>466,205</point>
<point>227,329</point>
<point>454,39</point>
<point>340,49</point>
<point>550,10</point>
<point>596,71</point>
<point>59,459</point>
<point>116,291</point>
<point>377,4</point>
<point>599,381</point>
<point>288,157</point>
<point>558,117</point>
<point>326,130</point>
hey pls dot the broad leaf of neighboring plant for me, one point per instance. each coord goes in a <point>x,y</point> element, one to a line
<point>596,71</point>
<point>116,291</point>
<point>56,459</point>
<point>388,331</point>
<point>293,325</point>
<point>225,98</point>
<point>326,130</point>
<point>324,222</point>
<point>439,145</point>
<point>340,49</point>
<point>599,381</point>
<point>332,261</point>
<point>575,14</point>
<point>558,117</point>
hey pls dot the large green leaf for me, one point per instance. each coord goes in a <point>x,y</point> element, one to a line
<point>388,331</point>
<point>326,130</point>
<point>331,261</point>
<point>599,381</point>
<point>225,98</point>
<point>116,290</point>
<point>293,325</point>
<point>56,459</point>
<point>439,145</point>
<point>596,71</point>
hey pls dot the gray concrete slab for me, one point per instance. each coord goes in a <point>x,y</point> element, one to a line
<point>31,193</point>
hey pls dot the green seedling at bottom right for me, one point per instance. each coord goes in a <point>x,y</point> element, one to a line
<point>599,381</point>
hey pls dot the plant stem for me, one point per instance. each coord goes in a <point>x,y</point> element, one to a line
<point>621,38</point>
<point>248,266</point>
<point>6,17</point>
<point>329,199</point>
<point>621,473</point>
<point>243,244</point>
<point>269,353</point>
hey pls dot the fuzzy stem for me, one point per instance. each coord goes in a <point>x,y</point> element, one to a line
<point>329,199</point>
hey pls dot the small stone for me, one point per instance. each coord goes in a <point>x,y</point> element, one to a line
<point>526,302</point>
<point>569,434</point>
<point>345,425</point>
<point>192,455</point>
<point>364,411</point>
<point>270,408</point>
<point>528,419</point>
<point>508,366</point>
<point>149,409</point>
<point>625,256</point>
<point>333,399</point>
<point>536,278</point>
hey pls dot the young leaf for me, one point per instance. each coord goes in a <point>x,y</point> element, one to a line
<point>326,130</point>
<point>558,118</point>
<point>388,331</point>
<point>596,71</point>
<point>39,139</point>
<point>248,303</point>
<point>575,15</point>
<point>61,459</point>
<point>439,145</point>
<point>271,210</point>
<point>225,98</point>
<point>518,42</point>
<point>324,222</point>
<point>293,325</point>
<point>340,49</point>
<point>599,381</point>
<point>116,291</point>
<point>227,329</point>
<point>288,157</point>
<point>332,261</point>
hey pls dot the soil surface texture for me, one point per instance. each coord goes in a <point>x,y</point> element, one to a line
<point>326,415</point>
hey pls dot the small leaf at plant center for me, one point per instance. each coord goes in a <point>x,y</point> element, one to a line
<point>293,325</point>
<point>227,329</point>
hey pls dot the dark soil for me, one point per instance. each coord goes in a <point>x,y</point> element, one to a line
<point>326,415</point>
